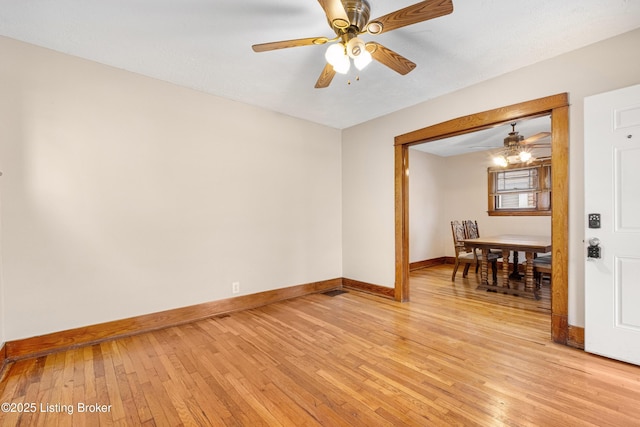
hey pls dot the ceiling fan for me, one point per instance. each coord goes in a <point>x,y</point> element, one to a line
<point>517,148</point>
<point>350,18</point>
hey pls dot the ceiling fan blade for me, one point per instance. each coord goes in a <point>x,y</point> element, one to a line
<point>325,77</point>
<point>335,12</point>
<point>264,47</point>
<point>537,136</point>
<point>409,15</point>
<point>539,146</point>
<point>391,59</point>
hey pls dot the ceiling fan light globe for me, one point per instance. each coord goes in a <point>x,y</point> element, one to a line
<point>500,161</point>
<point>342,66</point>
<point>524,156</point>
<point>335,53</point>
<point>355,47</point>
<point>362,60</point>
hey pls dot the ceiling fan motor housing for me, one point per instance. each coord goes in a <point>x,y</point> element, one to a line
<point>358,12</point>
<point>514,139</point>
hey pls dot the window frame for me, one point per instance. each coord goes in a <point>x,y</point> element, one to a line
<point>543,190</point>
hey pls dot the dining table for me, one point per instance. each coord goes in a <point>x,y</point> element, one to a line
<point>530,245</point>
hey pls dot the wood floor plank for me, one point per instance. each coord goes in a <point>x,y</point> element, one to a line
<point>452,356</point>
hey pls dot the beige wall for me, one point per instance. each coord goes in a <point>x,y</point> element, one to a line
<point>368,152</point>
<point>123,195</point>
<point>428,204</point>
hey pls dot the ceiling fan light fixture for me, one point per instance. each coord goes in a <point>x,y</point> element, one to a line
<point>512,157</point>
<point>514,151</point>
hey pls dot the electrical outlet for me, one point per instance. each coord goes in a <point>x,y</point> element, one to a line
<point>235,287</point>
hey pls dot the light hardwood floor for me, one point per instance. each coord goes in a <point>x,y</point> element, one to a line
<point>452,356</point>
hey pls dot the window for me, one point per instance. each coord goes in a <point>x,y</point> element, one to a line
<point>520,190</point>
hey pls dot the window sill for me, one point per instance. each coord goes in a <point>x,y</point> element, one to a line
<point>519,213</point>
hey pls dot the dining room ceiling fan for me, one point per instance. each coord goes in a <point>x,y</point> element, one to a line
<point>349,19</point>
<point>517,148</point>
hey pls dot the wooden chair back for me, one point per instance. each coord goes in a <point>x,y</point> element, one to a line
<point>471,228</point>
<point>459,233</point>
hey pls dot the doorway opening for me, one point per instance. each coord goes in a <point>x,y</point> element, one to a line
<point>557,107</point>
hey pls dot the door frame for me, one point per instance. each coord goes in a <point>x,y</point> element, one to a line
<point>557,107</point>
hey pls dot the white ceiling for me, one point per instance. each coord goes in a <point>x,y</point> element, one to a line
<point>206,45</point>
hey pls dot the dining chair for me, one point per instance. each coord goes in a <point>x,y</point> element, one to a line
<point>541,266</point>
<point>466,256</point>
<point>472,232</point>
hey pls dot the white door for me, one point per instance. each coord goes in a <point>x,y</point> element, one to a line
<point>612,189</point>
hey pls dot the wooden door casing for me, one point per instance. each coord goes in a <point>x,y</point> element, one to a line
<point>556,106</point>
